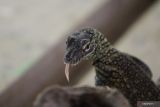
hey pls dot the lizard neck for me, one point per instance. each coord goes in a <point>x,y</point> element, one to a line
<point>103,52</point>
<point>103,48</point>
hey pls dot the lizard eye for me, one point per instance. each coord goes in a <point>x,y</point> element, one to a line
<point>86,47</point>
<point>84,42</point>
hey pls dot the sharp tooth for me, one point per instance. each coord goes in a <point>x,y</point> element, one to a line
<point>67,71</point>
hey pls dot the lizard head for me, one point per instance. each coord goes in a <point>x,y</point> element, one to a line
<point>87,44</point>
<point>80,45</point>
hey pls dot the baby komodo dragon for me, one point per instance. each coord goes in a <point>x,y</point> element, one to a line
<point>113,68</point>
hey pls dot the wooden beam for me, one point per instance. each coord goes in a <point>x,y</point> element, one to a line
<point>113,19</point>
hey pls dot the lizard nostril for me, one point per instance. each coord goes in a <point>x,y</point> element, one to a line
<point>68,58</point>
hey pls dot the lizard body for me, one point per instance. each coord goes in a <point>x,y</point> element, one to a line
<point>113,68</point>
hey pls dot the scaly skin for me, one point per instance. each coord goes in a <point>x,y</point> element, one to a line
<point>113,68</point>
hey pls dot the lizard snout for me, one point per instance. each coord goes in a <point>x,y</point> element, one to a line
<point>67,58</point>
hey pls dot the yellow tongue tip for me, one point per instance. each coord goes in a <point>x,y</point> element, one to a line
<point>67,72</point>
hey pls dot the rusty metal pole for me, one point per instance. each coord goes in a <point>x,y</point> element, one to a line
<point>112,19</point>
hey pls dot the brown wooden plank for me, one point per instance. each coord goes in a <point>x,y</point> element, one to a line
<point>113,19</point>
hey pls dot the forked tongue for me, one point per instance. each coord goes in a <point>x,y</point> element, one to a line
<point>67,71</point>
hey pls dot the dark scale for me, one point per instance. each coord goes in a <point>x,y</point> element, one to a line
<point>114,68</point>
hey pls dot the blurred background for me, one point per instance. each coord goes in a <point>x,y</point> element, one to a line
<point>29,29</point>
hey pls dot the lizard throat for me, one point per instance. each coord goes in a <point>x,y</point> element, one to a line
<point>102,51</point>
